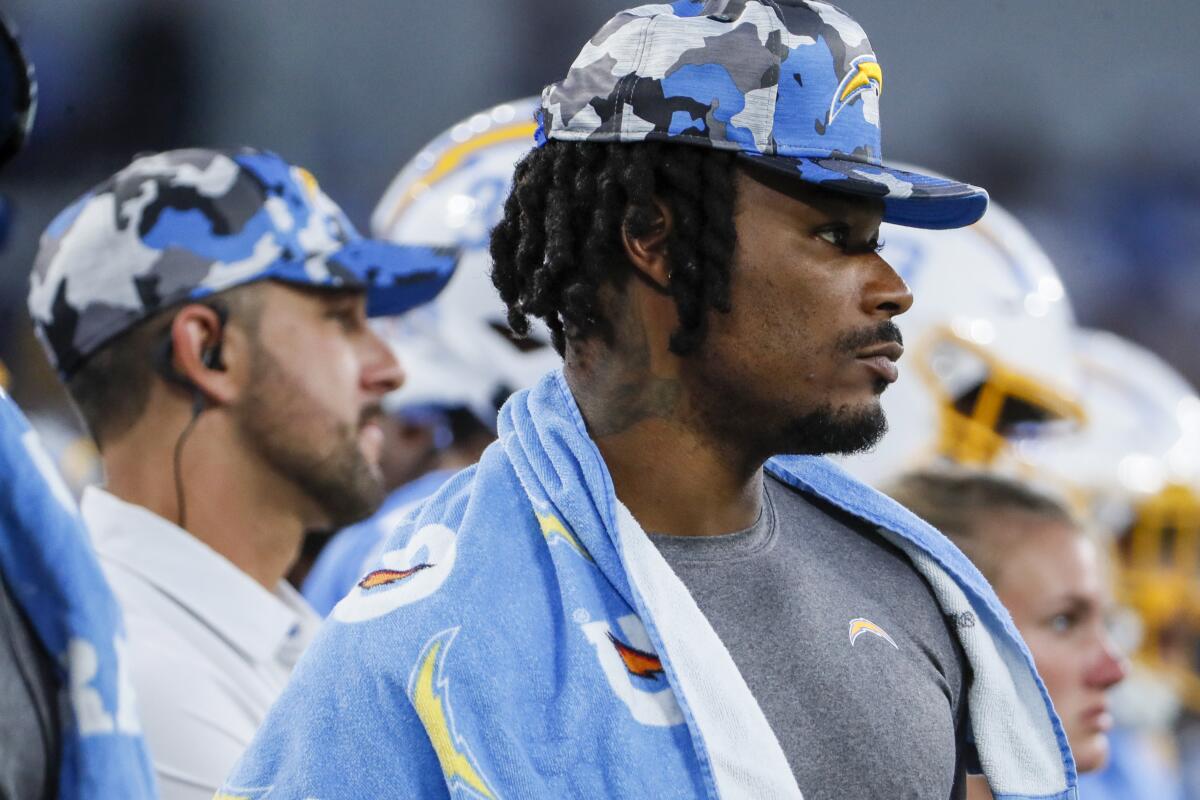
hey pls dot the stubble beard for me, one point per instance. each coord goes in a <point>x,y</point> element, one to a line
<point>276,420</point>
<point>834,431</point>
<point>761,427</point>
<point>825,429</point>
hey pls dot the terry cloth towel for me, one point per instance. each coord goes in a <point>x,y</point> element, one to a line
<point>521,637</point>
<point>52,572</point>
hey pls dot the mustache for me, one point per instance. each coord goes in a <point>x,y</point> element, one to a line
<point>369,413</point>
<point>853,341</point>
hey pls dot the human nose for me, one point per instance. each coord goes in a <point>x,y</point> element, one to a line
<point>886,294</point>
<point>381,372</point>
<point>1109,667</point>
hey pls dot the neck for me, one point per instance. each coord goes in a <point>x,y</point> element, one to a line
<point>977,788</point>
<point>231,503</point>
<point>675,476</point>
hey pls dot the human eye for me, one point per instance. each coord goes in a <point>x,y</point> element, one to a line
<point>345,315</point>
<point>1063,622</point>
<point>836,235</point>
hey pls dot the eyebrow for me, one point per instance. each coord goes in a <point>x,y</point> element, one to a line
<point>1078,602</point>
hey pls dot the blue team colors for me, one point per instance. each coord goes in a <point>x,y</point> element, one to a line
<point>516,639</point>
<point>185,224</point>
<point>343,560</point>
<point>793,85</point>
<point>52,572</point>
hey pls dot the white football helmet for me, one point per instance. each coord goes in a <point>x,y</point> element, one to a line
<point>988,354</point>
<point>1135,469</point>
<point>458,351</point>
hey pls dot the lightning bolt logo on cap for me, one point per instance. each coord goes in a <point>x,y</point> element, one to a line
<point>864,74</point>
<point>860,626</point>
<point>429,689</point>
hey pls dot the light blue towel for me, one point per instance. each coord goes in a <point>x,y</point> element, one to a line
<point>521,637</point>
<point>345,557</point>
<point>52,572</point>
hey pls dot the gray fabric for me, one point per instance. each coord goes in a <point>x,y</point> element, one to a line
<point>29,737</point>
<point>861,720</point>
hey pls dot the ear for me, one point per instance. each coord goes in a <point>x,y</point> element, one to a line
<point>644,235</point>
<point>201,350</point>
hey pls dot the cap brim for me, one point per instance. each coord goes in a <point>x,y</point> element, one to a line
<point>909,198</point>
<point>396,277</point>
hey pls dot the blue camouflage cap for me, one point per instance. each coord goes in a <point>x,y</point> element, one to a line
<point>792,85</point>
<point>182,225</point>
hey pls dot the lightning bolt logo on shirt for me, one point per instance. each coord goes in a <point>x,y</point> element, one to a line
<point>860,626</point>
<point>429,690</point>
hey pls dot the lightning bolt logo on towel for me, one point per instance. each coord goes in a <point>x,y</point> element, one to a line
<point>429,689</point>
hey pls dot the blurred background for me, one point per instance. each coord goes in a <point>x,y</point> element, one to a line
<point>1078,115</point>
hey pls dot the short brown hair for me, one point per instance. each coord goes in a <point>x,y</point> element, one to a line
<point>110,390</point>
<point>956,500</point>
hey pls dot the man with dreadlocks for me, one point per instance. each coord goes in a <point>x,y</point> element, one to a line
<point>633,594</point>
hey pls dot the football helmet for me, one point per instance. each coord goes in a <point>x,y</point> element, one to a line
<point>988,354</point>
<point>1135,470</point>
<point>458,351</point>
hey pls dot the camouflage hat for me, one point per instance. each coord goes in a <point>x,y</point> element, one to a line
<point>182,225</point>
<point>792,85</point>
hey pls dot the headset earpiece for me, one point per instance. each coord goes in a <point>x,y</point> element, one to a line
<point>210,357</point>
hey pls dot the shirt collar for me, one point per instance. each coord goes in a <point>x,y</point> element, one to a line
<point>262,625</point>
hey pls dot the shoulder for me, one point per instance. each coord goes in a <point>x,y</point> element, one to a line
<point>341,719</point>
<point>459,550</point>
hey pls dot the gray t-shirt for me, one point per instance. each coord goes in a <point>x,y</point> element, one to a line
<point>843,645</point>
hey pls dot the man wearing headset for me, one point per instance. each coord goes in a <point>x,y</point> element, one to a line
<point>207,312</point>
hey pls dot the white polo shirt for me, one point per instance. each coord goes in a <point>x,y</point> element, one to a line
<point>209,648</point>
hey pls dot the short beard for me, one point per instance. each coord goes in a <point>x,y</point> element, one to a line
<point>333,474</point>
<point>829,431</point>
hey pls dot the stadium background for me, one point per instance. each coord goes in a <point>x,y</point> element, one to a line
<point>1078,115</point>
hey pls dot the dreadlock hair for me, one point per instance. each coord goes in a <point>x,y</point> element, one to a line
<point>560,239</point>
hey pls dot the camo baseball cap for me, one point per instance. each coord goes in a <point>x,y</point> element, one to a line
<point>183,225</point>
<point>791,85</point>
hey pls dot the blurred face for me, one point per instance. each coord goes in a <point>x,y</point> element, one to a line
<point>808,345</point>
<point>311,410</point>
<point>1053,583</point>
<point>408,450</point>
